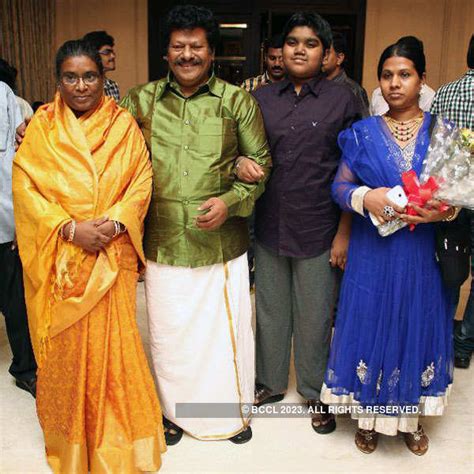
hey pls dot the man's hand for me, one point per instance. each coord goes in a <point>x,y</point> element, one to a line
<point>20,132</point>
<point>248,170</point>
<point>88,236</point>
<point>216,215</point>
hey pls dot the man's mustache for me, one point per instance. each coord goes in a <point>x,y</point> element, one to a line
<point>277,68</point>
<point>192,62</point>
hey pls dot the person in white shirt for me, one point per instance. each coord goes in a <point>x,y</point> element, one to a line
<point>12,301</point>
<point>378,105</point>
<point>8,75</point>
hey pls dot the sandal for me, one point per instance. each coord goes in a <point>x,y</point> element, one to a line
<point>173,433</point>
<point>322,421</point>
<point>366,440</point>
<point>417,442</point>
<point>242,437</point>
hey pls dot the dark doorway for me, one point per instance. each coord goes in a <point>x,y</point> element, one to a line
<point>246,24</point>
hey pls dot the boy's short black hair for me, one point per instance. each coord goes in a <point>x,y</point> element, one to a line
<point>312,20</point>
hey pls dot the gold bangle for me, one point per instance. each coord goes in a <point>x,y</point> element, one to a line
<point>453,215</point>
<point>72,231</point>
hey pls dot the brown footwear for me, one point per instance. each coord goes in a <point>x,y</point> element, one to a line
<point>366,440</point>
<point>264,395</point>
<point>417,442</point>
<point>322,421</point>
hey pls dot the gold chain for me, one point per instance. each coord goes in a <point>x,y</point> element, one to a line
<point>403,131</point>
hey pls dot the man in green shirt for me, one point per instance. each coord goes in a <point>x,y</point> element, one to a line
<point>196,237</point>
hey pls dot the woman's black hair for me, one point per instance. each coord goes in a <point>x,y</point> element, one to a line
<point>77,48</point>
<point>312,20</point>
<point>189,17</point>
<point>407,47</point>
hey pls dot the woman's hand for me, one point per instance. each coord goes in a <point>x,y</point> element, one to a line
<point>339,248</point>
<point>107,228</point>
<point>375,202</point>
<point>88,236</point>
<point>248,170</point>
<point>431,213</point>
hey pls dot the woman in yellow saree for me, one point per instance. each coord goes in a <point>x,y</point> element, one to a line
<point>81,185</point>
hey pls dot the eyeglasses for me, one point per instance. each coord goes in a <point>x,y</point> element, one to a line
<point>89,78</point>
<point>107,52</point>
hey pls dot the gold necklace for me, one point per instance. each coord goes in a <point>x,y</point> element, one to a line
<point>403,131</point>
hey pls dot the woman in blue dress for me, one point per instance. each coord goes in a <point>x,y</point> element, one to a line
<point>392,345</point>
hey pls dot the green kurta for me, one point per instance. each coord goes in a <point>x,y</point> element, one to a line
<point>194,142</point>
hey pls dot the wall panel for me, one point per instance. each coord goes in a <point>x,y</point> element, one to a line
<point>444,26</point>
<point>126,21</point>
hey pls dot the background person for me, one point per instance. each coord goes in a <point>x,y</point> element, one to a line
<point>273,64</point>
<point>333,66</point>
<point>12,300</point>
<point>455,101</point>
<point>8,75</point>
<point>104,44</point>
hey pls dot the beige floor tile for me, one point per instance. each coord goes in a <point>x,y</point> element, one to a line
<point>278,445</point>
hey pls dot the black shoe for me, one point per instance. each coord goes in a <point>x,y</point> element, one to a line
<point>27,385</point>
<point>264,395</point>
<point>462,362</point>
<point>243,437</point>
<point>173,433</point>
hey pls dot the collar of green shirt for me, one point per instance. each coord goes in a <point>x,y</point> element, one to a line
<point>212,85</point>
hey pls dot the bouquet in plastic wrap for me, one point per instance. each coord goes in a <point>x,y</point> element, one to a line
<point>448,170</point>
<point>450,162</point>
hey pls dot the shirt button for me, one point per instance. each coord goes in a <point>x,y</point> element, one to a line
<point>186,147</point>
<point>185,173</point>
<point>186,122</point>
<point>292,127</point>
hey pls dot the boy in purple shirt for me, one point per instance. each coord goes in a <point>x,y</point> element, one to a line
<point>300,234</point>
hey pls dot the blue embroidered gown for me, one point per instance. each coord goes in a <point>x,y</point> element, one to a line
<point>392,343</point>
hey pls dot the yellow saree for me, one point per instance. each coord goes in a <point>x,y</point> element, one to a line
<point>96,399</point>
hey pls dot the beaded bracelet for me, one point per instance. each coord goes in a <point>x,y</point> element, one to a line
<point>72,231</point>
<point>61,232</point>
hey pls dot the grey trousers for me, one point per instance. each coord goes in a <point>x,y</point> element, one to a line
<point>295,299</point>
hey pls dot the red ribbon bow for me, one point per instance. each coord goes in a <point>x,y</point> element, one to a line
<point>418,194</point>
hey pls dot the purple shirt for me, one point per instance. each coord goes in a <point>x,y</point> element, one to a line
<point>296,216</point>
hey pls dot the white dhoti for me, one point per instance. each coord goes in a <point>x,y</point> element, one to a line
<point>202,343</point>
